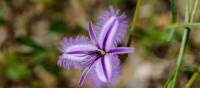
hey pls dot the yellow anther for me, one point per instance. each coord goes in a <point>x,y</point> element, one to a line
<point>102,53</point>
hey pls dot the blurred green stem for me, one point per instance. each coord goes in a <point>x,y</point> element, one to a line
<point>184,39</point>
<point>196,70</point>
<point>194,10</point>
<point>186,4</point>
<point>134,21</point>
<point>169,79</point>
<point>183,25</point>
<point>192,80</point>
<point>173,18</point>
<point>180,56</point>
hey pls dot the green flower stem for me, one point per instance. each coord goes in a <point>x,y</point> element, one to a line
<point>192,80</point>
<point>184,39</point>
<point>196,70</point>
<point>173,18</point>
<point>194,10</point>
<point>186,3</point>
<point>134,20</point>
<point>180,56</point>
<point>166,85</point>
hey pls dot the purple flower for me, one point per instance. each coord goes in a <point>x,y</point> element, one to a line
<point>100,55</point>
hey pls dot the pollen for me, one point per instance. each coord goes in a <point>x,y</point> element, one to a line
<point>102,52</point>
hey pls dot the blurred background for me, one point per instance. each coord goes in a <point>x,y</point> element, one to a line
<point>31,30</point>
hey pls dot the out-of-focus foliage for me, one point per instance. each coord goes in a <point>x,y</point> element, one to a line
<point>31,30</point>
<point>58,25</point>
<point>14,70</point>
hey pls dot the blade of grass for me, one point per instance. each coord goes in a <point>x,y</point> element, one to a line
<point>186,9</point>
<point>192,80</point>
<point>196,70</point>
<point>181,53</point>
<point>172,82</point>
<point>185,38</point>
<point>169,79</point>
<point>194,10</point>
<point>173,18</point>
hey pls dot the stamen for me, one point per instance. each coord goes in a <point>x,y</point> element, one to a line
<point>102,53</point>
<point>91,57</point>
<point>89,60</point>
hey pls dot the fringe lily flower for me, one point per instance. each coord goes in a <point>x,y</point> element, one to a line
<point>98,57</point>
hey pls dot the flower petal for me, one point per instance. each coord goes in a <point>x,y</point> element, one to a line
<point>105,18</point>
<point>66,42</point>
<point>120,50</point>
<point>67,63</point>
<point>85,72</point>
<point>79,52</point>
<point>92,35</point>
<point>104,68</point>
<point>98,83</point>
<point>74,53</point>
<point>108,32</point>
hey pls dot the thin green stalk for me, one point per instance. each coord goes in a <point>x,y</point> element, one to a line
<point>172,82</point>
<point>138,4</point>
<point>192,80</point>
<point>181,52</point>
<point>173,9</point>
<point>186,4</point>
<point>184,39</point>
<point>194,10</point>
<point>169,79</point>
<point>135,15</point>
<point>196,70</point>
<point>173,18</point>
<point>183,45</point>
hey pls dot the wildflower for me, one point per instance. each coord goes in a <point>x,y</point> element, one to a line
<point>98,56</point>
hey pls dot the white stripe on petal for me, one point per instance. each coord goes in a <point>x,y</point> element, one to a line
<point>81,47</point>
<point>108,32</point>
<point>99,68</point>
<point>73,55</point>
<point>72,52</point>
<point>112,34</point>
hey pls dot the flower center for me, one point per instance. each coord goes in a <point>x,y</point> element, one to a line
<point>102,53</point>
